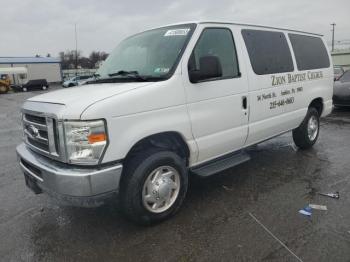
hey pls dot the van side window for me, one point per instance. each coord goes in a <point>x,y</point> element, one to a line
<point>268,51</point>
<point>216,42</point>
<point>309,51</point>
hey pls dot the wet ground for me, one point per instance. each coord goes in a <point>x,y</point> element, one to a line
<point>243,214</point>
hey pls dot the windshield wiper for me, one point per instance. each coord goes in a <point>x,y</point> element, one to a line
<point>122,76</point>
<point>133,74</point>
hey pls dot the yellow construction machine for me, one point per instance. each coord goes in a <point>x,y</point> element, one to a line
<point>18,74</point>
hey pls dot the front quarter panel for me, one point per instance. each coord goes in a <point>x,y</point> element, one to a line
<point>132,116</point>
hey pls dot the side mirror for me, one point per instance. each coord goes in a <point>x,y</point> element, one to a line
<point>209,67</point>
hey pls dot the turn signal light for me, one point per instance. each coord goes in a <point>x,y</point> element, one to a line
<point>95,138</point>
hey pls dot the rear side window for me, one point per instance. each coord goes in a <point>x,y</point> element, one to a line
<point>268,51</point>
<point>310,52</point>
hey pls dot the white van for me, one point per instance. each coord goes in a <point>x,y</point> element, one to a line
<point>172,102</point>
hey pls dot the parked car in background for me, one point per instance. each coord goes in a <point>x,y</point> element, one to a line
<point>35,84</point>
<point>86,81</point>
<point>338,72</point>
<point>75,81</point>
<point>341,92</point>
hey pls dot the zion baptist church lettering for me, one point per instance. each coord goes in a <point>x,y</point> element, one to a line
<point>293,78</point>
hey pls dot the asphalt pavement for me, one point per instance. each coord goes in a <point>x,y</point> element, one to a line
<point>247,213</point>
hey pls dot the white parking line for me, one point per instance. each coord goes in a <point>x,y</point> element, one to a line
<point>279,241</point>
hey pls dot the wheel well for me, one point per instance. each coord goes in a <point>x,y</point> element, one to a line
<point>318,104</point>
<point>172,141</point>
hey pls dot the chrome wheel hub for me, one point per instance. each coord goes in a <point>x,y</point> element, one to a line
<point>161,189</point>
<point>312,128</point>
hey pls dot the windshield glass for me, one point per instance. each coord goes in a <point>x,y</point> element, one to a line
<point>345,77</point>
<point>338,71</point>
<point>154,53</point>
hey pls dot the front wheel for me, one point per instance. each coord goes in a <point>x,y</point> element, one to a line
<point>153,186</point>
<point>305,136</point>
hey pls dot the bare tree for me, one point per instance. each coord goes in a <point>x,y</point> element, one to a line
<point>96,57</point>
<point>68,59</point>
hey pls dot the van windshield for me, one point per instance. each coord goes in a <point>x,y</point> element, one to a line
<point>151,55</point>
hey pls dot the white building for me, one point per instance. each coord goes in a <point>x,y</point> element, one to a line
<point>48,68</point>
<point>341,58</point>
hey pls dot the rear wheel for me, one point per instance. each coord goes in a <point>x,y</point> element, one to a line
<point>3,89</point>
<point>154,186</point>
<point>305,136</point>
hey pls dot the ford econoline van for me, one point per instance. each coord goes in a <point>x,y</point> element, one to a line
<point>172,102</point>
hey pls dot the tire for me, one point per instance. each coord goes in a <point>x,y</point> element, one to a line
<point>70,85</point>
<point>136,185</point>
<point>301,135</point>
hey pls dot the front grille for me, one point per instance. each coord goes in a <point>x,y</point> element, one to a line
<point>38,144</point>
<point>35,119</point>
<point>40,133</point>
<point>43,133</point>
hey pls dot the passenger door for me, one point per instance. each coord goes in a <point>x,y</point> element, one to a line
<point>271,95</point>
<point>218,107</point>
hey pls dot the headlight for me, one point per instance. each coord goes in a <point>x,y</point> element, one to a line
<point>85,141</point>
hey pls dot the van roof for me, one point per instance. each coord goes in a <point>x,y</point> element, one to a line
<point>243,24</point>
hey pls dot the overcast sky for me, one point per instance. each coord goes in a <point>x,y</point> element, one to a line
<point>30,27</point>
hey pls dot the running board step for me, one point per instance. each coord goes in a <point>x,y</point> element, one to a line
<point>220,164</point>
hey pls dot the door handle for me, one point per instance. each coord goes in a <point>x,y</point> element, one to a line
<point>244,102</point>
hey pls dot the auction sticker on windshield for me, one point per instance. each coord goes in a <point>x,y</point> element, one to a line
<point>161,70</point>
<point>174,32</point>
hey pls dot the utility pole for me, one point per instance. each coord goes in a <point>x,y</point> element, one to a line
<point>76,50</point>
<point>333,26</point>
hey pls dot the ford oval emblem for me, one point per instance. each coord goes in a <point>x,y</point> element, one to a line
<point>33,131</point>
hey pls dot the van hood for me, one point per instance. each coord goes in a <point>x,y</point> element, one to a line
<point>76,99</point>
<point>86,94</point>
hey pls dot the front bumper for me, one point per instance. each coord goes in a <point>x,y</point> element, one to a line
<point>341,100</point>
<point>79,186</point>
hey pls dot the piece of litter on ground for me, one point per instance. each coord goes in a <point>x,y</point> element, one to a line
<point>318,207</point>
<point>294,147</point>
<point>306,211</point>
<point>332,195</point>
<point>227,188</point>
<point>303,212</point>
